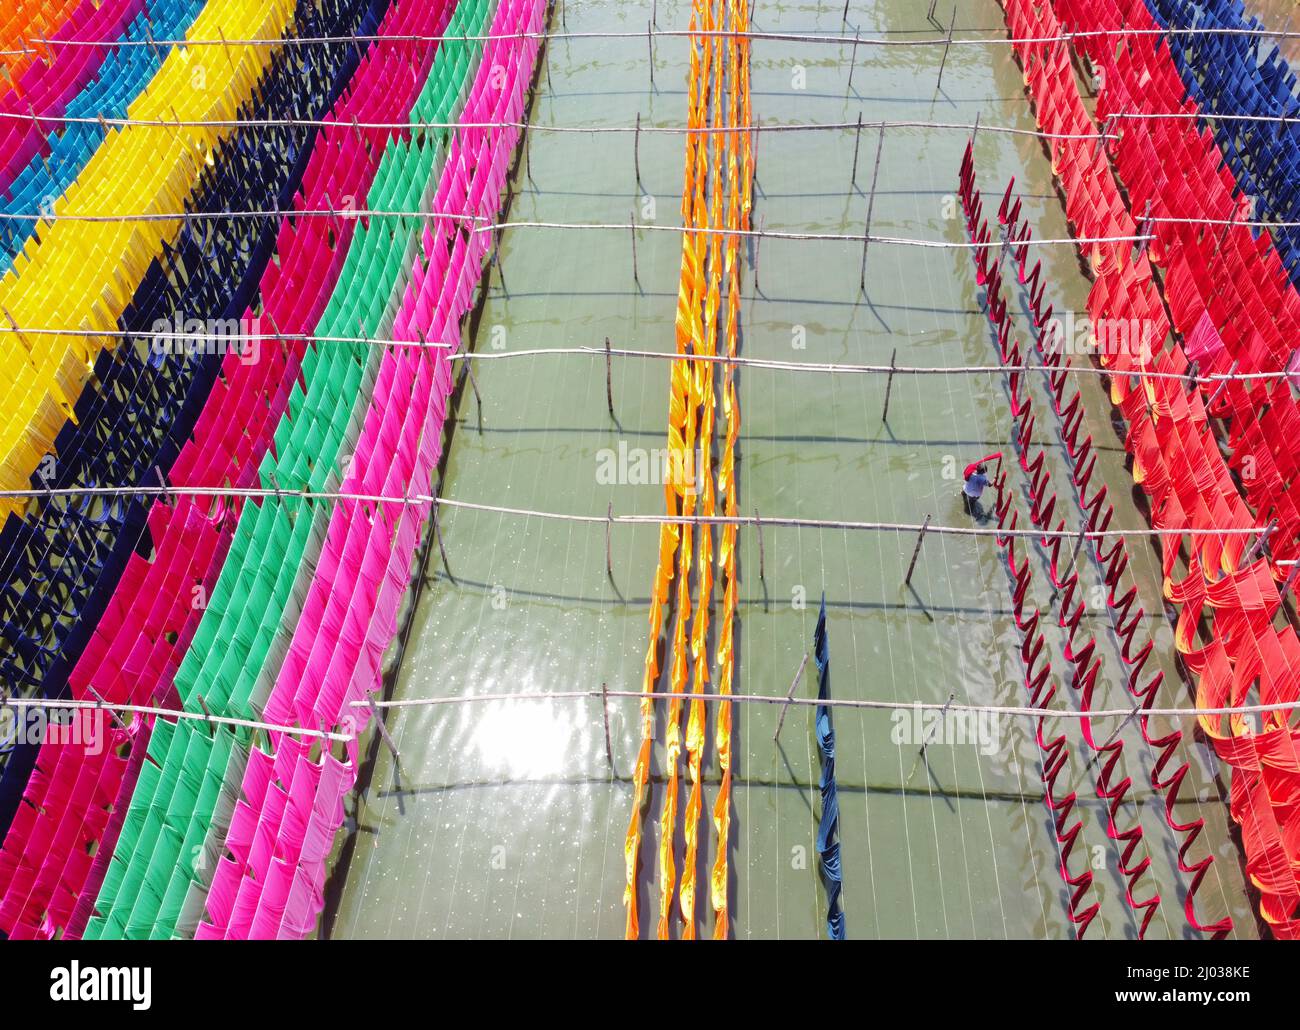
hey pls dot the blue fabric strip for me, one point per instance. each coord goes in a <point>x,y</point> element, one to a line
<point>828,829</point>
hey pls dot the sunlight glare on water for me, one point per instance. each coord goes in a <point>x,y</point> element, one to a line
<point>523,740</point>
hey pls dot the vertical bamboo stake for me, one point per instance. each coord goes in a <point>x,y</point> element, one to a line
<point>857,142</point>
<point>636,276</point>
<point>916,551</point>
<point>853,59</point>
<point>383,730</point>
<point>889,384</point>
<point>947,43</point>
<point>636,149</point>
<point>609,544</point>
<point>609,382</point>
<point>790,695</point>
<point>604,711</point>
<point>871,206</point>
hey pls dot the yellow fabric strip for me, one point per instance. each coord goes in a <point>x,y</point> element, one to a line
<point>669,535</point>
<point>716,194</point>
<point>81,275</point>
<point>704,374</point>
<point>742,198</point>
<point>685,492</point>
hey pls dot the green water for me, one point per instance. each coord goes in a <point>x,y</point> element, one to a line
<point>505,819</point>
<point>1280,15</point>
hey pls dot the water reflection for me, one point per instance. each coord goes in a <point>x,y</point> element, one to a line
<point>523,739</point>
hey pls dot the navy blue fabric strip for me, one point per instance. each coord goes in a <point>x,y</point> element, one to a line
<point>828,828</point>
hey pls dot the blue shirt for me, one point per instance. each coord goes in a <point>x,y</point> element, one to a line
<point>975,485</point>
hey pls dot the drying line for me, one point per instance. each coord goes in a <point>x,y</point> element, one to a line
<point>570,695</point>
<point>413,126</point>
<point>487,225</point>
<point>1223,221</point>
<point>834,39</point>
<point>346,214</point>
<point>359,212</point>
<point>230,340</point>
<point>623,227</point>
<point>1209,116</point>
<point>673,130</point>
<point>264,493</point>
<point>820,236</point>
<point>169,713</point>
<point>888,706</point>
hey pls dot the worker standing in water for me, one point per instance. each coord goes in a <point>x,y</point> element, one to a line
<point>971,490</point>
<point>976,479</point>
